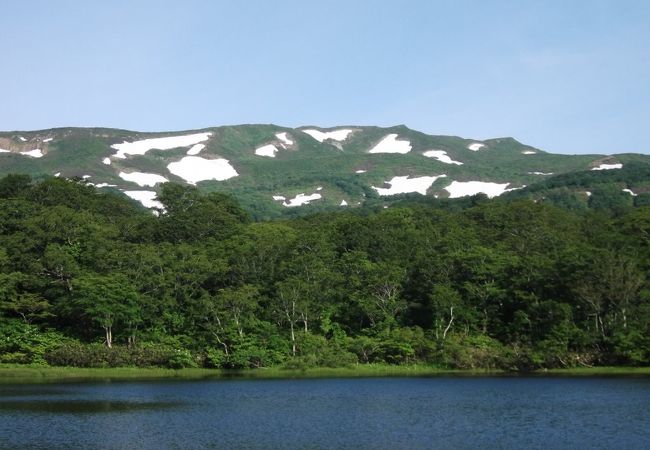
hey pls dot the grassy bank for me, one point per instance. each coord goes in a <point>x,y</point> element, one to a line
<point>36,374</point>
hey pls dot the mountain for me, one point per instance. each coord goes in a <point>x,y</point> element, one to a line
<point>274,170</point>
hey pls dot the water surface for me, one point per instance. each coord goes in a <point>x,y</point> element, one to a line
<point>390,413</point>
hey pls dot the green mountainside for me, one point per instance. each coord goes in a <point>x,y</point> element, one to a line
<point>336,171</point>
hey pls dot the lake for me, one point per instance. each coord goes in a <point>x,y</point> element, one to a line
<point>356,413</point>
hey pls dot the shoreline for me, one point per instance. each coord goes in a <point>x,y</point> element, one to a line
<point>17,374</point>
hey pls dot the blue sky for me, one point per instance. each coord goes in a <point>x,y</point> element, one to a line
<point>565,76</point>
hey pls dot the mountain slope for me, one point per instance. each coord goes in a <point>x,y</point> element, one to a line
<point>274,170</point>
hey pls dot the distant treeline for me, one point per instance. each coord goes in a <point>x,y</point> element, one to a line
<point>91,279</point>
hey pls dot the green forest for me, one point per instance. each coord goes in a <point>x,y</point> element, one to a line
<point>91,279</point>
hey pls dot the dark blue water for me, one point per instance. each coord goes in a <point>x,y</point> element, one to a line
<point>389,413</point>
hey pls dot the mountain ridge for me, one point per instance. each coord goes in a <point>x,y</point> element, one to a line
<point>271,168</point>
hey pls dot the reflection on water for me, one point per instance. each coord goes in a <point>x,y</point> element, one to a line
<point>82,406</point>
<point>395,413</point>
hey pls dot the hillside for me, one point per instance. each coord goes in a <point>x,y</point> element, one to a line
<point>274,170</point>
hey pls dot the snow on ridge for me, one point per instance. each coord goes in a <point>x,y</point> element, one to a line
<point>608,166</point>
<point>266,150</point>
<point>390,144</point>
<point>163,143</point>
<point>142,178</point>
<point>336,135</point>
<point>528,152</point>
<point>302,199</point>
<point>629,191</point>
<point>476,146</point>
<point>36,153</point>
<point>196,149</point>
<point>284,138</point>
<point>147,198</point>
<point>405,185</point>
<point>194,169</point>
<point>441,156</point>
<point>464,188</point>
<point>107,161</point>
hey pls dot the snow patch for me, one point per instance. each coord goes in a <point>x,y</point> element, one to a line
<point>284,138</point>
<point>196,149</point>
<point>360,171</point>
<point>164,143</point>
<point>103,185</point>
<point>390,144</point>
<point>476,146</point>
<point>4,151</point>
<point>22,138</point>
<point>33,153</point>
<point>343,203</point>
<point>464,188</point>
<point>85,177</point>
<point>588,193</point>
<point>57,174</point>
<point>336,135</point>
<point>608,166</point>
<point>107,161</point>
<point>540,173</point>
<point>143,179</point>
<point>629,191</point>
<point>528,152</point>
<point>404,185</point>
<point>441,156</point>
<point>147,198</point>
<point>194,169</point>
<point>266,150</point>
<point>279,198</point>
<point>302,199</point>
<point>48,140</point>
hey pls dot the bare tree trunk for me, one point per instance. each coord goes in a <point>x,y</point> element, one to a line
<point>109,336</point>
<point>451,320</point>
<point>293,339</point>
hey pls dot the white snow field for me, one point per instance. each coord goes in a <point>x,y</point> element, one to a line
<point>4,151</point>
<point>284,138</point>
<point>147,198</point>
<point>476,146</point>
<point>336,135</point>
<point>266,150</point>
<point>194,169</point>
<point>163,143</point>
<point>302,199</point>
<point>142,178</point>
<point>33,153</point>
<point>196,149</point>
<point>528,152</point>
<point>464,188</point>
<point>608,166</point>
<point>390,144</point>
<point>405,185</point>
<point>107,161</point>
<point>629,191</point>
<point>441,156</point>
